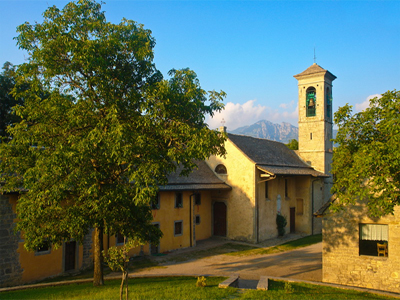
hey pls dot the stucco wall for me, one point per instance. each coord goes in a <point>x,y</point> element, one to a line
<point>342,263</point>
<point>166,216</point>
<point>299,187</point>
<point>241,216</point>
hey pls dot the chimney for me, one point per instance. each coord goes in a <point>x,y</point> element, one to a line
<point>222,129</point>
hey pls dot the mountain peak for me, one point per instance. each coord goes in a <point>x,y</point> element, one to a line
<point>267,130</point>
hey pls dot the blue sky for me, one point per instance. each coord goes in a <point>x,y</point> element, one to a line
<point>252,49</point>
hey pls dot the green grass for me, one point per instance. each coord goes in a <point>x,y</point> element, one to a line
<point>185,288</point>
<point>303,242</point>
<point>302,291</point>
<point>198,254</point>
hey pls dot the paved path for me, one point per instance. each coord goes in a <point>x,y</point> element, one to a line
<point>304,263</point>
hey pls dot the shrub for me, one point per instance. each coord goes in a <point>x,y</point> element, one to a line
<point>201,281</point>
<point>281,222</point>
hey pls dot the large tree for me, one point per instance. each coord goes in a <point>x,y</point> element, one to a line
<point>93,151</point>
<point>366,164</point>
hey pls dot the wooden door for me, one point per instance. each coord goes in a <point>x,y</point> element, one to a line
<point>220,218</point>
<point>292,220</point>
<point>69,256</point>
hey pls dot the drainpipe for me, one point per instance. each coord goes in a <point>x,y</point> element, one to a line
<point>258,207</point>
<point>312,206</point>
<point>191,219</point>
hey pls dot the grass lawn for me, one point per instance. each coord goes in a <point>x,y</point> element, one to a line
<point>303,242</point>
<point>185,288</point>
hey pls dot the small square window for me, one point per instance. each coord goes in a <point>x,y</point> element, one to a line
<point>178,228</point>
<point>119,239</point>
<point>197,199</point>
<point>286,188</point>
<point>178,200</point>
<point>44,248</point>
<point>197,219</point>
<point>155,204</point>
<point>374,239</point>
<point>299,206</point>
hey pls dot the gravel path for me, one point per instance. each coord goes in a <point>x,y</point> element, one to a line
<point>303,263</point>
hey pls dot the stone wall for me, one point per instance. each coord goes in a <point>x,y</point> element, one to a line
<point>87,257</point>
<point>10,268</point>
<point>342,263</point>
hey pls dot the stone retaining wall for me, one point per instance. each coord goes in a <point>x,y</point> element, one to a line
<point>10,268</point>
<point>342,263</point>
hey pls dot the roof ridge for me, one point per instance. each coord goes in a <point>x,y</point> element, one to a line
<point>258,138</point>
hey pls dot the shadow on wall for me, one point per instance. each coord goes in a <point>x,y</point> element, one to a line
<point>341,229</point>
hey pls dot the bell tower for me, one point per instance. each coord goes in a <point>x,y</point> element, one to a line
<point>315,117</point>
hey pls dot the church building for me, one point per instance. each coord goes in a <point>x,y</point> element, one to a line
<point>237,196</point>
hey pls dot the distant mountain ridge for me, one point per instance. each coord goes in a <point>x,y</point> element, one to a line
<point>267,130</point>
<point>264,129</point>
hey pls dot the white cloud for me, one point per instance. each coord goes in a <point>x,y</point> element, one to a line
<point>238,115</point>
<point>361,106</point>
<point>286,105</point>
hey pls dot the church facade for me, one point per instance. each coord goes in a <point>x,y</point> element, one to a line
<point>269,179</point>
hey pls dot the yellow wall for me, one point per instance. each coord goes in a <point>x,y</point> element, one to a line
<point>37,266</point>
<point>166,216</point>
<point>241,200</point>
<point>299,187</point>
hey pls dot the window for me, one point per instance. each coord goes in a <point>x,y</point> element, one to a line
<point>197,199</point>
<point>266,190</point>
<point>221,169</point>
<point>197,219</point>
<point>374,239</point>
<point>328,103</point>
<point>178,200</point>
<point>119,239</point>
<point>286,189</point>
<point>155,204</point>
<point>310,102</point>
<point>44,248</point>
<point>178,228</point>
<point>299,206</point>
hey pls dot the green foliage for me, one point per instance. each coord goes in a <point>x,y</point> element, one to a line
<point>293,144</point>
<point>7,101</point>
<point>117,259</point>
<point>201,281</point>
<point>281,223</point>
<point>92,151</point>
<point>366,163</point>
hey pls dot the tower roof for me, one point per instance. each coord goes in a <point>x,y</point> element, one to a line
<point>313,70</point>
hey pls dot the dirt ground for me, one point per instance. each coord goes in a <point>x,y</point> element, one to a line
<point>303,263</point>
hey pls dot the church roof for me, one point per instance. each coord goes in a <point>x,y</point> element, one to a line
<point>273,157</point>
<point>202,178</point>
<point>315,69</point>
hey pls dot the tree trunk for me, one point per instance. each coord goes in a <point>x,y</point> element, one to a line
<point>121,289</point>
<point>126,285</point>
<point>98,278</point>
